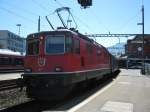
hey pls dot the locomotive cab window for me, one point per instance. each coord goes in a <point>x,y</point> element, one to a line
<point>68,45</point>
<point>32,47</point>
<point>55,45</point>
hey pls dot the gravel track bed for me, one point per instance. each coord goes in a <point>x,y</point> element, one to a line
<point>12,97</point>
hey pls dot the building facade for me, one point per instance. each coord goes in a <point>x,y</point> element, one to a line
<point>133,48</point>
<point>11,41</point>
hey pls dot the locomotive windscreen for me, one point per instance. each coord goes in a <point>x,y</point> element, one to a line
<point>55,44</point>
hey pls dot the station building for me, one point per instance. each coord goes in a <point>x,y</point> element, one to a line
<point>133,49</point>
<point>12,41</point>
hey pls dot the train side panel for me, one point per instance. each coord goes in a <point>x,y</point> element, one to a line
<point>11,62</point>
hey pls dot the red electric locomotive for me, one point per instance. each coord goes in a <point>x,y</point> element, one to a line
<point>58,60</point>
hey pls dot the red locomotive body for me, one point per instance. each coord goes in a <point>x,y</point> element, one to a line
<point>57,60</point>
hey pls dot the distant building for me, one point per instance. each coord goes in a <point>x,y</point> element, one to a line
<point>117,50</point>
<point>133,49</point>
<point>11,41</point>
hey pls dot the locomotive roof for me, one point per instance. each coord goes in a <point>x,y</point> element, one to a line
<point>62,30</point>
<point>9,52</point>
<point>67,31</point>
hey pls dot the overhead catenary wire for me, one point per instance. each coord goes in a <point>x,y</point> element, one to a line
<point>18,15</point>
<point>99,20</point>
<point>21,8</point>
<point>28,11</point>
<point>24,17</point>
<point>43,7</point>
<point>40,5</point>
<point>61,5</point>
<point>125,24</point>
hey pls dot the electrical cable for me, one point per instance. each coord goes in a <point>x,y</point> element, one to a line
<point>58,3</point>
<point>15,14</point>
<point>21,8</point>
<point>20,16</point>
<point>98,20</point>
<point>40,5</point>
<point>122,27</point>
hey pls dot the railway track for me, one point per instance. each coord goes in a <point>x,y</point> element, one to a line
<point>8,84</point>
<point>72,100</point>
<point>51,106</point>
<point>11,70</point>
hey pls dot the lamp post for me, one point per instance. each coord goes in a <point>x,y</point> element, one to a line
<point>143,55</point>
<point>127,52</point>
<point>18,25</point>
<point>119,47</point>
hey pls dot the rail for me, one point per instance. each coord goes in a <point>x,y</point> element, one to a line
<point>8,84</point>
<point>11,70</point>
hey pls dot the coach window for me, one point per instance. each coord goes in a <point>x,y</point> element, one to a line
<point>68,45</point>
<point>77,46</point>
<point>18,61</point>
<point>4,60</point>
<point>32,47</point>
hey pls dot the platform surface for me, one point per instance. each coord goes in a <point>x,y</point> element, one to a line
<point>9,76</point>
<point>130,92</point>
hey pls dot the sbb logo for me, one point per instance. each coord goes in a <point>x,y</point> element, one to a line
<point>41,61</point>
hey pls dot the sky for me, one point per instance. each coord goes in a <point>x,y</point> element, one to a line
<point>104,16</point>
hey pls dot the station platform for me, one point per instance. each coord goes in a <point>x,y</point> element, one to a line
<point>9,76</point>
<point>129,92</point>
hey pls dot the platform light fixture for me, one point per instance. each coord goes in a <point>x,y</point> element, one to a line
<point>18,25</point>
<point>143,55</point>
<point>85,3</point>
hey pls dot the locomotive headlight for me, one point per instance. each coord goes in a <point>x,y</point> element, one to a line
<point>28,70</point>
<point>58,69</point>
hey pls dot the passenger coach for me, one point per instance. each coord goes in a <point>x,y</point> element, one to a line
<point>10,60</point>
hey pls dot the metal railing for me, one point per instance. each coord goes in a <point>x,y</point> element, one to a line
<point>147,69</point>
